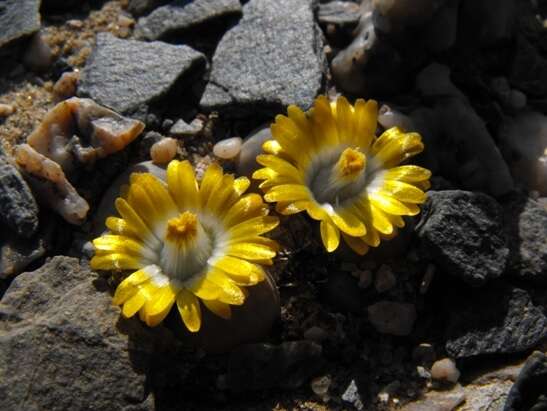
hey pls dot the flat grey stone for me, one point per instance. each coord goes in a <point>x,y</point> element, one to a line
<point>181,15</point>
<point>182,129</point>
<point>127,74</point>
<point>18,19</point>
<point>18,208</point>
<point>464,234</point>
<point>341,13</point>
<point>63,345</point>
<point>498,319</point>
<point>272,58</point>
<point>526,221</point>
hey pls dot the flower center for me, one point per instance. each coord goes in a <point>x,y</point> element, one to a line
<point>182,229</point>
<point>187,247</point>
<point>338,175</point>
<point>350,165</point>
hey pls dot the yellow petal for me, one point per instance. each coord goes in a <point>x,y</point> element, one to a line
<point>241,184</point>
<point>389,204</point>
<point>163,298</point>
<point>115,262</point>
<point>344,121</point>
<point>272,147</point>
<point>121,227</point>
<point>356,244</point>
<point>136,223</point>
<point>204,289</point>
<point>219,199</point>
<point>379,220</point>
<point>330,235</point>
<point>253,227</point>
<point>280,166</point>
<point>223,310</point>
<point>240,268</point>
<point>134,304</point>
<point>325,127</point>
<point>403,192</point>
<point>190,312</point>
<point>249,206</point>
<point>397,150</point>
<point>231,293</point>
<point>250,251</point>
<point>408,173</point>
<point>348,222</point>
<point>211,179</point>
<point>128,287</point>
<point>182,184</point>
<point>366,118</point>
<point>288,192</point>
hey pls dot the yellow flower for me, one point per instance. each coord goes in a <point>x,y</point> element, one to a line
<point>188,242</point>
<point>329,163</point>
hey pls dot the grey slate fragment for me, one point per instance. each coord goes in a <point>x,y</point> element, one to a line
<point>64,347</point>
<point>464,234</point>
<point>261,366</point>
<point>341,13</point>
<point>272,58</point>
<point>18,208</point>
<point>530,389</point>
<point>126,74</point>
<point>182,15</point>
<point>182,129</point>
<point>497,319</point>
<point>526,221</point>
<point>18,19</point>
<point>16,254</point>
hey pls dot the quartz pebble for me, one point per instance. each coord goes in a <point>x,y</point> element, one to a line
<point>385,279</point>
<point>164,150</point>
<point>228,148</point>
<point>320,386</point>
<point>6,110</point>
<point>65,87</point>
<point>445,370</point>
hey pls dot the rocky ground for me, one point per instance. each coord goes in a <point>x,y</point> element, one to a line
<point>449,315</point>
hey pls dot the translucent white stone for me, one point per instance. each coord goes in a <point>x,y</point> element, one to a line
<point>228,148</point>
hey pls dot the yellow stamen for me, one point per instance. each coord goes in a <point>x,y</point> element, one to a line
<point>351,163</point>
<point>183,228</point>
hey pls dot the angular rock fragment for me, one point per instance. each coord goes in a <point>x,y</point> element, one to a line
<point>18,19</point>
<point>498,319</point>
<point>526,222</point>
<point>80,129</point>
<point>63,345</point>
<point>127,75</point>
<point>528,392</point>
<point>50,185</point>
<point>182,15</point>
<point>272,58</point>
<point>341,13</point>
<point>18,209</point>
<point>16,254</point>
<point>463,233</point>
<point>261,366</point>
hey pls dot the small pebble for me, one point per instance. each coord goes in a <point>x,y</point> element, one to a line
<point>445,370</point>
<point>385,279</point>
<point>75,24</point>
<point>125,21</point>
<point>65,87</point>
<point>428,277</point>
<point>518,99</point>
<point>38,55</point>
<point>365,278</point>
<point>228,148</point>
<point>182,129</point>
<point>315,334</point>
<point>6,110</point>
<point>423,373</point>
<point>320,386</point>
<point>164,150</point>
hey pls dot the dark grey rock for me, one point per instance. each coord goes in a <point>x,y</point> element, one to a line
<point>182,15</point>
<point>18,19</point>
<point>16,254</point>
<point>526,221</point>
<point>63,345</point>
<point>529,70</point>
<point>272,58</point>
<point>389,317</point>
<point>60,5</point>
<point>18,208</point>
<point>141,7</point>
<point>463,233</point>
<point>126,74</point>
<point>530,389</point>
<point>498,319</point>
<point>262,366</point>
<point>341,13</point>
